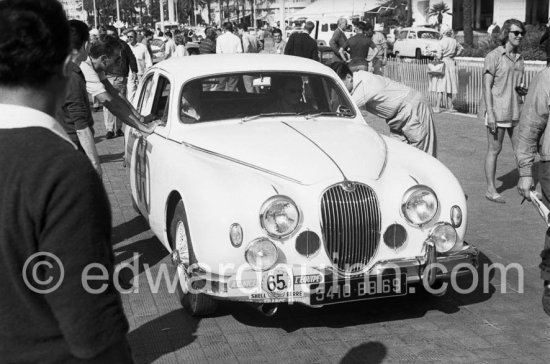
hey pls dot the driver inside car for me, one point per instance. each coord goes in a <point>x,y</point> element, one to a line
<point>289,96</point>
<point>191,102</point>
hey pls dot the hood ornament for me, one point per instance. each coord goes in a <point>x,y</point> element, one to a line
<point>348,186</point>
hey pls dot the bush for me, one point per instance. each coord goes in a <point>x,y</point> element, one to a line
<point>530,48</point>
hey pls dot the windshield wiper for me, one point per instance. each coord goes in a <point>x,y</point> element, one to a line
<point>329,113</point>
<point>265,115</point>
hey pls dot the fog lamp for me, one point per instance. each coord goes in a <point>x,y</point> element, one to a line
<point>444,237</point>
<point>261,254</point>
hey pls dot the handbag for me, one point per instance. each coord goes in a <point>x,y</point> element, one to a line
<point>436,68</point>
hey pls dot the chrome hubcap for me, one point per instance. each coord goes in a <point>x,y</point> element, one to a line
<point>180,256</point>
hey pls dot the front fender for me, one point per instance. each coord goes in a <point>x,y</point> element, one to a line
<point>429,171</point>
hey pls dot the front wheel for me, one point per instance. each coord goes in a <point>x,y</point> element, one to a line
<point>197,304</point>
<point>418,53</point>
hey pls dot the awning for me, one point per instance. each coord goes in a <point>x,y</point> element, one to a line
<point>336,8</point>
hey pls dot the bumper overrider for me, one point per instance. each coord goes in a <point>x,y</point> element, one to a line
<point>319,286</point>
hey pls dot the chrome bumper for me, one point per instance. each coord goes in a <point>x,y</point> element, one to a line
<point>427,267</point>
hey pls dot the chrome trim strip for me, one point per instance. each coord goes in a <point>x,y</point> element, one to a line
<point>385,158</point>
<point>199,149</point>
<point>319,147</point>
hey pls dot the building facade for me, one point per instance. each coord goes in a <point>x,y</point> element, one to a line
<point>484,12</point>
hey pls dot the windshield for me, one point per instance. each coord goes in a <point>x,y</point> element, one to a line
<point>250,96</point>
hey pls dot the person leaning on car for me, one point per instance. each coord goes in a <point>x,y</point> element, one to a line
<point>55,219</point>
<point>534,134</point>
<point>117,74</point>
<point>75,113</point>
<point>407,113</point>
<point>102,55</point>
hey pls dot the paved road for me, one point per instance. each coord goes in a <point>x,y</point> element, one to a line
<point>485,326</point>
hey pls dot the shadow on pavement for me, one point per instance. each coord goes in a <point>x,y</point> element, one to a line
<point>372,352</point>
<point>294,317</point>
<point>107,158</point>
<point>127,248</point>
<point>510,179</point>
<point>129,229</point>
<point>164,335</point>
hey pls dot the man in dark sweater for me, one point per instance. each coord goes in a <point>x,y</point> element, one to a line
<point>302,45</point>
<point>54,213</point>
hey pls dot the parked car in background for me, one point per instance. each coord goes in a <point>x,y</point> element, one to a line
<point>414,42</point>
<point>309,206</point>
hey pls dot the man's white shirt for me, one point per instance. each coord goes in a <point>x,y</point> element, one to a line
<point>170,49</point>
<point>228,43</point>
<point>143,57</point>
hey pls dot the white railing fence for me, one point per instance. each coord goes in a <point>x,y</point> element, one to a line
<point>414,73</point>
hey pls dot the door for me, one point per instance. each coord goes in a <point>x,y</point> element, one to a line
<point>136,146</point>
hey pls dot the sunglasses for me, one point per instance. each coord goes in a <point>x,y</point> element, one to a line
<point>517,33</point>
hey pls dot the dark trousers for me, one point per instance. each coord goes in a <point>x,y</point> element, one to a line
<point>544,179</point>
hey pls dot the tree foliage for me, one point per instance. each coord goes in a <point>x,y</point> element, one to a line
<point>396,12</point>
<point>438,10</point>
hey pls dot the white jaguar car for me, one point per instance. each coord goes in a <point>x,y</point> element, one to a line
<point>268,187</point>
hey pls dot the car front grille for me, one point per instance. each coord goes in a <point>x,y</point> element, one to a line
<point>350,218</point>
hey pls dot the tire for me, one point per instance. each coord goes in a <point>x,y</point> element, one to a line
<point>197,304</point>
<point>418,54</point>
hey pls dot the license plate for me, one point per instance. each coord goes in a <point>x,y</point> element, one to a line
<point>362,288</point>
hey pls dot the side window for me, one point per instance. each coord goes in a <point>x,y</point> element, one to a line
<point>333,26</point>
<point>403,35</point>
<point>146,99</point>
<point>412,35</point>
<point>324,27</point>
<point>162,95</point>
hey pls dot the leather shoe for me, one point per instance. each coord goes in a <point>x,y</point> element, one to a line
<point>494,198</point>
<point>109,135</point>
<point>119,133</point>
<point>546,297</point>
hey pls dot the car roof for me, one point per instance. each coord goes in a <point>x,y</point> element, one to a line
<point>185,68</point>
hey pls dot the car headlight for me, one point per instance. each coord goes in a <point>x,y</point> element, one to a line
<point>261,254</point>
<point>444,237</point>
<point>279,216</point>
<point>419,205</point>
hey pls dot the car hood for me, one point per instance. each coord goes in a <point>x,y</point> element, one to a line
<point>307,151</point>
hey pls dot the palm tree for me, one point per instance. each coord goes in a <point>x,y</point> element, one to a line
<point>438,10</point>
<point>467,7</point>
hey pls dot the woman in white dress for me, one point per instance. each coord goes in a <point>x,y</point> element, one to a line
<point>447,49</point>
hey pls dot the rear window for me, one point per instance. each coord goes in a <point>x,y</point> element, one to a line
<point>428,35</point>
